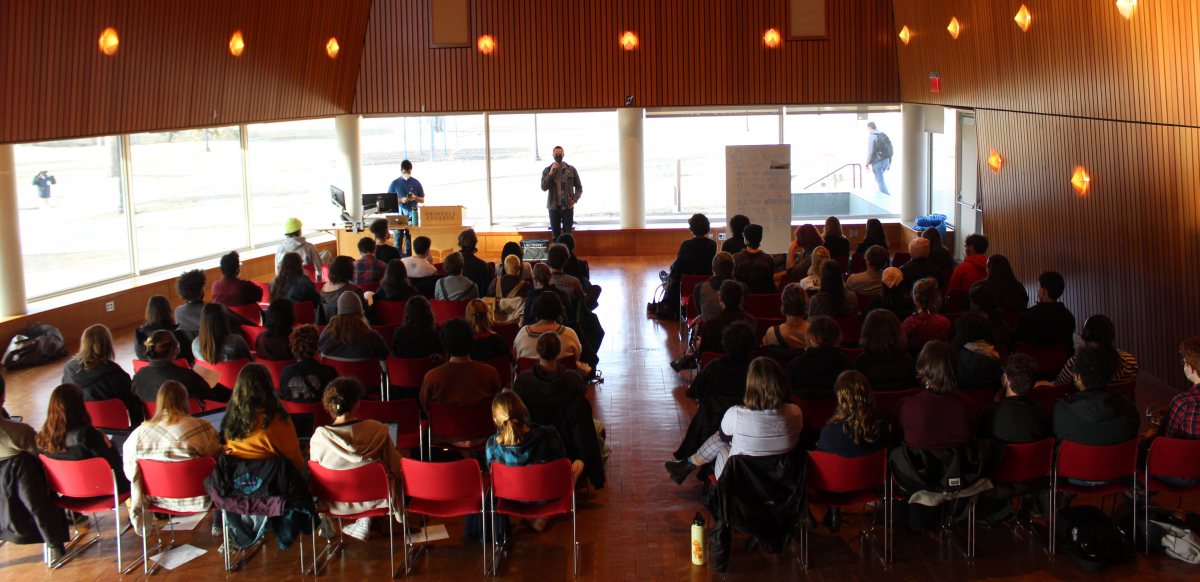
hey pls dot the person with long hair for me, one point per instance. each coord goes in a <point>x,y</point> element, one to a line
<point>853,431</point>
<point>833,300</point>
<point>765,424</point>
<point>1009,291</point>
<point>1099,332</point>
<point>885,361</point>
<point>27,511</point>
<point>292,283</point>
<point>341,273</point>
<point>95,372</point>
<point>217,343</point>
<point>256,426</point>
<point>805,240</point>
<point>454,286</point>
<point>792,334</point>
<point>833,240</point>
<point>979,364</point>
<point>925,324</point>
<point>813,373</point>
<point>893,296</point>
<point>68,433</point>
<point>395,285</point>
<point>160,317</point>
<point>812,277</point>
<point>513,249</point>
<point>349,335</point>
<point>488,344</point>
<point>170,436</point>
<point>875,237</point>
<point>752,266</point>
<point>350,443</point>
<point>305,381</point>
<point>511,281</point>
<point>163,349</point>
<point>938,253</point>
<point>417,337</point>
<point>272,344</point>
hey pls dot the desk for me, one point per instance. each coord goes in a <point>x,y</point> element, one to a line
<point>441,224</point>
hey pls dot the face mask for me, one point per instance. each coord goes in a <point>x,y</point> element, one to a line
<point>558,159</point>
<point>405,175</point>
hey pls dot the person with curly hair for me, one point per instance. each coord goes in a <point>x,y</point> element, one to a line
<point>190,287</point>
<point>256,426</point>
<point>853,431</point>
<point>305,381</point>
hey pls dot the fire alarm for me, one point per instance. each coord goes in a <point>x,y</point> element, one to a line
<point>935,84</point>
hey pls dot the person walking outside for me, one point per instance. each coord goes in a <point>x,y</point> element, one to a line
<point>879,155</point>
<point>43,181</point>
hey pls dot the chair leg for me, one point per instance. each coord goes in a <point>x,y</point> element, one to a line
<point>117,527</point>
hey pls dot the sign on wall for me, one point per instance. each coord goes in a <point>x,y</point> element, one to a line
<point>807,19</point>
<point>758,184</point>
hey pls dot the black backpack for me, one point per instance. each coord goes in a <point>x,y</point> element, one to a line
<point>883,145</point>
<point>1092,539</point>
<point>38,344</point>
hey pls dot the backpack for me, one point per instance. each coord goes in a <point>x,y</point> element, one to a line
<point>1092,539</point>
<point>38,344</point>
<point>883,146</point>
<point>506,309</point>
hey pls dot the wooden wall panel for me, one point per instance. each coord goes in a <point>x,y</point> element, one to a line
<point>564,55</point>
<point>173,68</point>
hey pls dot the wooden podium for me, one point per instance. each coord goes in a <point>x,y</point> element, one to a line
<point>440,223</point>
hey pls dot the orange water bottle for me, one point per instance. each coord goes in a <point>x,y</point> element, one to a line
<point>699,552</point>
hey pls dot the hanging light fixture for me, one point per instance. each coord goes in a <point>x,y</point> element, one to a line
<point>1127,8</point>
<point>905,35</point>
<point>487,44</point>
<point>771,38</point>
<point>1081,180</point>
<point>995,162</point>
<point>954,28</point>
<point>332,48</point>
<point>236,44</point>
<point>109,41</point>
<point>629,40</point>
<point>1023,17</point>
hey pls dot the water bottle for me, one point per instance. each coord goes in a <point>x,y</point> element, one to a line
<point>699,552</point>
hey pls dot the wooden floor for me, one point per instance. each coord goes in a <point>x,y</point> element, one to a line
<point>637,528</point>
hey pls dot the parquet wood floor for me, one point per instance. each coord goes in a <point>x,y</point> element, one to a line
<point>637,528</point>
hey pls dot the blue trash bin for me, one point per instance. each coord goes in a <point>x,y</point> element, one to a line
<point>937,221</point>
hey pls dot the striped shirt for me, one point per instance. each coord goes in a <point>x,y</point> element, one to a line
<point>187,439</point>
<point>1127,370</point>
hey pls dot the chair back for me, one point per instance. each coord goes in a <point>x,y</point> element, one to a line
<point>708,358</point>
<point>320,417</point>
<point>470,421</point>
<point>858,263</point>
<point>886,401</point>
<point>954,300</point>
<point>765,325</point>
<point>836,474</point>
<point>1046,396</point>
<point>194,407</point>
<point>266,291</point>
<point>864,300</point>
<point>816,412</point>
<point>687,285</point>
<point>176,480</point>
<point>851,327</point>
<point>788,280</point>
<point>87,478</point>
<point>406,414</point>
<point>842,261</point>
<point>503,366</point>
<point>444,311</point>
<point>139,364</point>
<point>251,312</point>
<point>367,371</point>
<point>229,370</point>
<point>408,372</point>
<point>368,287</point>
<point>765,306</point>
<point>982,397</point>
<point>276,367</point>
<point>524,364</point>
<point>387,332</point>
<point>540,482</point>
<point>359,485</point>
<point>1170,457</point>
<point>508,331</point>
<point>852,353</point>
<point>1097,463</point>
<point>324,273</point>
<point>1129,388</point>
<point>900,259</point>
<point>311,271</point>
<point>453,481</point>
<point>108,414</point>
<point>1049,358</point>
<point>251,333</point>
<point>440,268</point>
<point>305,313</point>
<point>389,312</point>
<point>1022,462</point>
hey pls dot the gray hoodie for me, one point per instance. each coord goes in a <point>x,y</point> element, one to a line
<point>306,250</point>
<point>352,445</point>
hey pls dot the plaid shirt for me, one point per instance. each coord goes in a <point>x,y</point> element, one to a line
<point>368,269</point>
<point>1183,416</point>
<point>187,439</point>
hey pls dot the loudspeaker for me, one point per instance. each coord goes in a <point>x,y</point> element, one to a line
<point>534,249</point>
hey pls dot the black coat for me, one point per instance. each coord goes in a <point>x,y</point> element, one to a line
<point>762,496</point>
<point>1015,419</point>
<point>712,330</point>
<point>940,470</point>
<point>977,371</point>
<point>1046,324</point>
<point>892,371</point>
<point>574,422</point>
<point>476,269</point>
<point>724,376</point>
<point>813,373</point>
<point>280,494</point>
<point>106,382</point>
<point>27,511</point>
<point>922,268</point>
<point>141,334</point>
<point>1096,418</point>
<point>148,380</point>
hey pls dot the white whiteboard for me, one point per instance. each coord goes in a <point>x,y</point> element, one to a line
<point>758,184</point>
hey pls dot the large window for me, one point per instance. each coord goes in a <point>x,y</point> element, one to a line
<point>291,167</point>
<point>829,154</point>
<point>943,167</point>
<point>77,235</point>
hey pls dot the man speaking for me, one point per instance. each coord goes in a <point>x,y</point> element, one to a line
<point>561,182</point>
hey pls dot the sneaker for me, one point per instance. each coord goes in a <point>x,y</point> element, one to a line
<point>538,525</point>
<point>359,530</point>
<point>679,470</point>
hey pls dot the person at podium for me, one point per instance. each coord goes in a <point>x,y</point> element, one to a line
<point>410,192</point>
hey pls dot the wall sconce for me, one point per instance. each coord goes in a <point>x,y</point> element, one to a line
<point>905,35</point>
<point>629,41</point>
<point>954,28</point>
<point>1126,8</point>
<point>486,44</point>
<point>1023,18</point>
<point>771,38</point>
<point>109,41</point>
<point>332,48</point>
<point>236,44</point>
<point>995,162</point>
<point>1081,180</point>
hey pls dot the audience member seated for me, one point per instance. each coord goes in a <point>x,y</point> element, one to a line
<point>979,365</point>
<point>293,284</point>
<point>395,285</point>
<point>256,427</point>
<point>731,313</point>
<point>68,434</point>
<point>812,276</point>
<point>420,264</point>
<point>27,511</point>
<point>1048,322</point>
<point>488,344</point>
<point>512,283</point>
<point>216,342</point>
<point>893,295</point>
<point>341,271</point>
<point>294,243</point>
<point>305,381</point>
<point>513,249</point>
<point>368,269</point>
<point>736,242</point>
<point>543,285</point>
<point>1099,332</point>
<point>707,294</point>
<point>549,381</point>
<point>350,443</point>
<point>231,291</point>
<point>837,245</point>
<point>754,267</point>
<point>1010,293</point>
<point>973,269</point>
<point>870,282</point>
<point>1095,415</point>
<point>170,436</point>
<point>920,266</point>
<point>875,237</point>
<point>805,240</point>
<point>190,288</point>
<point>925,324</point>
<point>418,337</point>
<point>984,303</point>
<point>454,286</point>
<point>1182,420</point>
<point>833,300</point>
<point>547,310</point>
<point>885,361</point>
<point>726,375</point>
<point>695,257</point>
<point>938,253</point>
<point>349,337</point>
<point>159,317</point>
<point>474,268</point>
<point>792,333</point>
<point>1016,418</point>
<point>384,252</point>
<point>578,268</point>
<point>93,370</point>
<point>274,344</point>
<point>813,373</point>
<point>459,381</point>
<point>556,259</point>
<point>853,431</point>
<point>765,424</point>
<point>163,349</point>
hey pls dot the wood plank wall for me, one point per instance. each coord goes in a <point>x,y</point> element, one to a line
<point>561,55</point>
<point>173,68</point>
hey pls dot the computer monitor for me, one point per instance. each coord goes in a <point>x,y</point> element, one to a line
<point>386,203</point>
<point>338,196</point>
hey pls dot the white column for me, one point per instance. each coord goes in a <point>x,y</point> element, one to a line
<point>12,271</point>
<point>633,165</point>
<point>349,147</point>
<point>914,190</point>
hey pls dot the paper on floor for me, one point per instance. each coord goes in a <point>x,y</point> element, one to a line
<point>176,557</point>
<point>432,533</point>
<point>184,522</point>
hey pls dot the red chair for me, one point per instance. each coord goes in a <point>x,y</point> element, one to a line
<point>707,359</point>
<point>251,312</point>
<point>788,280</point>
<point>251,333</point>
<point>841,482</point>
<point>858,263</point>
<point>229,370</point>
<point>524,364</point>
<point>864,300</point>
<point>852,353</point>
<point>535,491</point>
<point>955,299</point>
<point>842,261</point>
<point>443,490</point>
<point>1050,359</point>
<point>360,485</point>
<point>305,312</point>
<point>368,287</point>
<point>1047,396</point>
<point>886,401</point>
<point>311,271</point>
<point>444,311</point>
<point>1025,462</point>
<point>503,367</point>
<point>1113,464</point>
<point>88,486</point>
<point>139,364</point>
<point>368,371</point>
<point>1127,388</point>
<point>900,259</point>
<point>170,480</point>
<point>389,312</point>
<point>213,405</point>
<point>687,287</point>
<point>461,423</point>
<point>276,367</point>
<point>324,273</point>
<point>982,397</point>
<point>387,332</point>
<point>320,416</point>
<point>851,327</point>
<point>109,414</point>
<point>765,325</point>
<point>405,414</point>
<point>407,373</point>
<point>266,291</point>
<point>765,306</point>
<point>508,331</point>
<point>1170,457</point>
<point>816,412</point>
<point>440,268</point>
